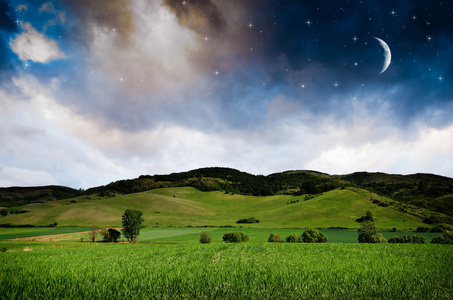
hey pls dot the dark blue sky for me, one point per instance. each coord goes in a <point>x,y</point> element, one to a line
<point>95,91</point>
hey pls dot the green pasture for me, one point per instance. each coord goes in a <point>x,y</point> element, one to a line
<point>225,271</point>
<point>186,206</point>
<point>256,235</point>
<point>12,233</point>
<point>191,235</point>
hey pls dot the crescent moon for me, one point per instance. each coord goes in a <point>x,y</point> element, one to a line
<point>387,54</point>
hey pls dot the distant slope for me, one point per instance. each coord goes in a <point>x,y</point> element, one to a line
<point>429,191</point>
<point>187,206</point>
<point>15,196</point>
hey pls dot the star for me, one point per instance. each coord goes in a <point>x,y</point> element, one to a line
<point>440,78</point>
<point>429,38</point>
<point>308,22</point>
<point>355,39</point>
<point>250,25</point>
<point>336,84</point>
<point>414,17</point>
<point>393,13</point>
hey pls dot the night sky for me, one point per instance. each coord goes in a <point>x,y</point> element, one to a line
<point>96,91</point>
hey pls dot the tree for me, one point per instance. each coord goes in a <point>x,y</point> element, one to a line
<point>292,238</point>
<point>274,238</point>
<point>368,217</point>
<point>235,237</point>
<point>447,238</point>
<point>93,233</point>
<point>114,235</point>
<point>205,237</point>
<point>313,236</point>
<point>368,234</point>
<point>132,223</point>
<point>110,235</point>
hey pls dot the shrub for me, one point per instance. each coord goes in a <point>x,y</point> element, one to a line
<point>205,237</point>
<point>422,229</point>
<point>114,235</point>
<point>368,217</point>
<point>313,236</point>
<point>3,250</point>
<point>235,237</point>
<point>292,238</point>
<point>274,238</point>
<point>413,239</point>
<point>249,220</point>
<point>447,238</point>
<point>436,229</point>
<point>368,234</point>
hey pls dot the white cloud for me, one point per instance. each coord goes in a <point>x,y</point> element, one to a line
<point>12,176</point>
<point>34,46</point>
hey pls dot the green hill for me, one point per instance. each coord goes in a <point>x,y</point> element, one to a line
<point>187,206</point>
<point>427,196</point>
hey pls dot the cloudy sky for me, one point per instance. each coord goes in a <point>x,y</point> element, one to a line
<point>96,91</point>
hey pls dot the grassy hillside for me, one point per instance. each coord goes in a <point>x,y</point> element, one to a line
<point>428,192</point>
<point>187,206</point>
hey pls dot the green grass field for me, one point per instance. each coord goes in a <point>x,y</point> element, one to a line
<point>225,271</point>
<point>11,233</point>
<point>188,206</point>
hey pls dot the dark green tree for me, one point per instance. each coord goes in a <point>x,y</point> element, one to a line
<point>205,237</point>
<point>114,235</point>
<point>132,223</point>
<point>368,234</point>
<point>313,236</point>
<point>293,238</point>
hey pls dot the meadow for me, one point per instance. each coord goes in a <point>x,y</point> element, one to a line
<point>225,271</point>
<point>187,206</point>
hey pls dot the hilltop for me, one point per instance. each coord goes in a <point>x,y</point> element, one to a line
<point>426,197</point>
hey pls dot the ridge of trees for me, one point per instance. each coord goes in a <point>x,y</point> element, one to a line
<point>428,191</point>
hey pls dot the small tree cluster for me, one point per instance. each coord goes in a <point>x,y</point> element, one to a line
<point>235,237</point>
<point>110,235</point>
<point>368,234</point>
<point>205,237</point>
<point>367,217</point>
<point>274,238</point>
<point>313,236</point>
<point>292,238</point>
<point>249,220</point>
<point>413,239</point>
<point>447,238</point>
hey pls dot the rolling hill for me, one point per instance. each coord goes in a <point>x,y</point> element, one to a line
<point>425,197</point>
<point>187,206</point>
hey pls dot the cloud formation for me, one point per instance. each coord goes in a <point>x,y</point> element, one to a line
<point>150,87</point>
<point>34,46</point>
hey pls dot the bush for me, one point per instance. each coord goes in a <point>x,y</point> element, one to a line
<point>274,238</point>
<point>422,229</point>
<point>368,217</point>
<point>249,220</point>
<point>436,229</point>
<point>368,234</point>
<point>413,239</point>
<point>235,237</point>
<point>205,237</point>
<point>447,238</point>
<point>313,236</point>
<point>114,235</point>
<point>292,238</point>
